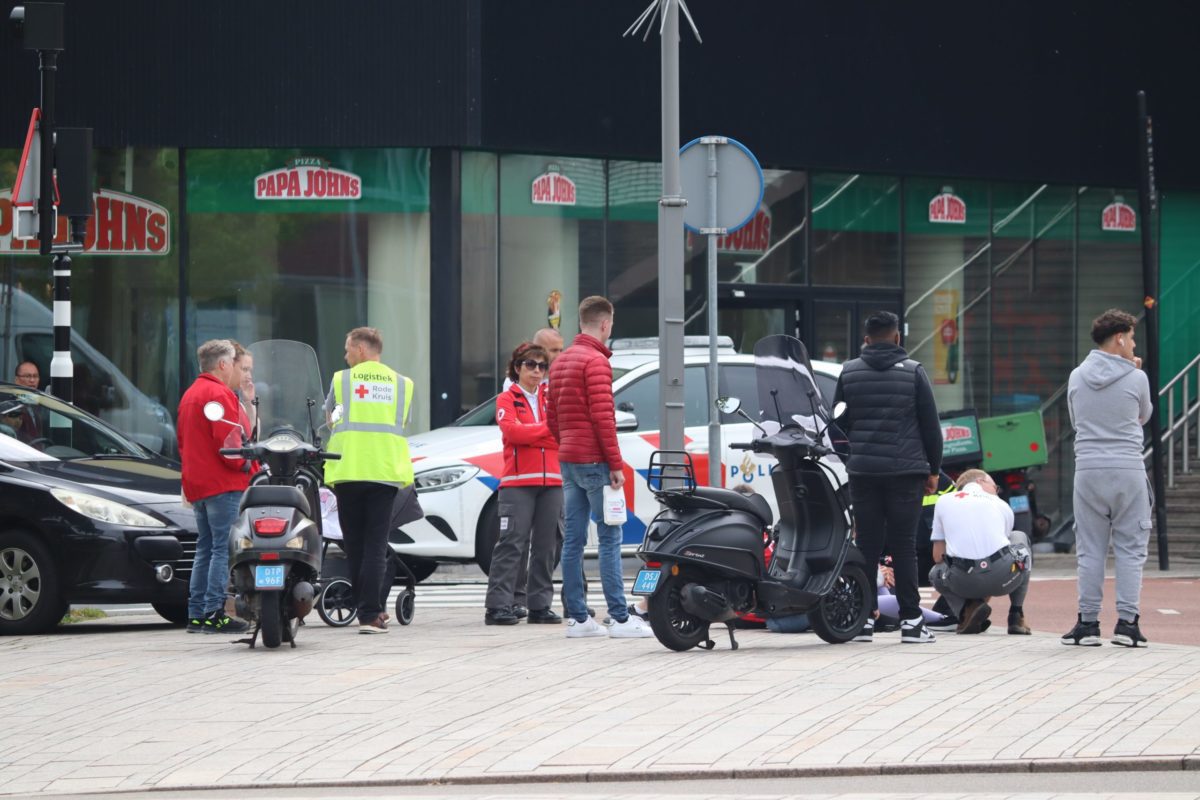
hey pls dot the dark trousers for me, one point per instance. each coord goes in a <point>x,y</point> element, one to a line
<point>886,510</point>
<point>365,514</point>
<point>524,553</point>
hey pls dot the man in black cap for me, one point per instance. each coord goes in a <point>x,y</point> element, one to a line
<point>895,458</point>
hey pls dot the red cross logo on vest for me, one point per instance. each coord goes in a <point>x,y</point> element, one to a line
<point>361,391</point>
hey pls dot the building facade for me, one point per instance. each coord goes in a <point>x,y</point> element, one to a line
<point>460,173</point>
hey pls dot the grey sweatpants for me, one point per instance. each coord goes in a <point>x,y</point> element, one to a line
<point>1111,505</point>
<point>528,536</point>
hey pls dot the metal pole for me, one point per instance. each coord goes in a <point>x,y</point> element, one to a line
<point>1148,206</point>
<point>670,241</point>
<point>61,368</point>
<point>1186,414</point>
<point>715,471</point>
<point>47,72</point>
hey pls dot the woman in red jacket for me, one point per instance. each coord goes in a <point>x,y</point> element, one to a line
<point>530,493</point>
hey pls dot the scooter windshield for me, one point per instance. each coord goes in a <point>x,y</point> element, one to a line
<point>787,390</point>
<point>286,377</point>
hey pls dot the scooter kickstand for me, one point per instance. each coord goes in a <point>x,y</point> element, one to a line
<point>252,639</point>
<point>733,645</point>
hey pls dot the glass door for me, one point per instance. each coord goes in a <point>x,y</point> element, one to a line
<point>747,320</point>
<point>837,325</point>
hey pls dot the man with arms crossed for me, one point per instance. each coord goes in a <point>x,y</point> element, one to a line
<point>977,555</point>
<point>582,418</point>
<point>1108,396</point>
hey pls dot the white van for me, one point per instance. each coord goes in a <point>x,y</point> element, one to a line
<point>27,334</point>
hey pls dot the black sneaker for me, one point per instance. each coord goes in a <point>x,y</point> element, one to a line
<point>519,611</point>
<point>1128,634</point>
<point>543,616</point>
<point>637,612</point>
<point>913,631</point>
<point>1084,634</point>
<point>499,616</point>
<point>195,625</point>
<point>867,634</point>
<point>948,623</point>
<point>218,622</point>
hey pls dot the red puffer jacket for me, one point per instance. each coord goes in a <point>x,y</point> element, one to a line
<point>205,471</point>
<point>581,416</point>
<point>530,452</point>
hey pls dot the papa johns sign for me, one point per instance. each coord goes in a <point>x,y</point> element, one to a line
<point>121,224</point>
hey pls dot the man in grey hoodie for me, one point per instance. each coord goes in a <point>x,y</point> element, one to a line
<point>1108,396</point>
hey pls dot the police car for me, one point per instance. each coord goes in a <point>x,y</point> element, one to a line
<point>458,467</point>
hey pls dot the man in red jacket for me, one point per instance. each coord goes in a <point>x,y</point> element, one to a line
<point>212,483</point>
<point>581,417</point>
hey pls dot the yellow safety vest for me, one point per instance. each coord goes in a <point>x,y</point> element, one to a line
<point>369,435</point>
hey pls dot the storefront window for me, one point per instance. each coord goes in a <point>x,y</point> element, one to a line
<point>855,230</point>
<point>308,244</point>
<point>771,248</point>
<point>551,244</point>
<point>945,286</point>
<point>1110,260</point>
<point>124,291</point>
<point>482,371</point>
<point>631,245</point>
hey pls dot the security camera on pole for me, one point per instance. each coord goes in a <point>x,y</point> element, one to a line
<point>55,176</point>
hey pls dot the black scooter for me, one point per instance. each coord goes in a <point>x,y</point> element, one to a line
<point>275,544</point>
<point>704,554</point>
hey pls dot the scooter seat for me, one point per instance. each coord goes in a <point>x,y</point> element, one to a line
<point>754,504</point>
<point>266,495</point>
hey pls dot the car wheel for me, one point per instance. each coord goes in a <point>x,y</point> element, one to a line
<point>421,568</point>
<point>29,592</point>
<point>487,534</point>
<point>174,613</point>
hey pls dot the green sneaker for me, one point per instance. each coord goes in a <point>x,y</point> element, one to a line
<point>195,625</point>
<point>218,622</point>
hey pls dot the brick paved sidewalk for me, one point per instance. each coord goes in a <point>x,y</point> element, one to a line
<point>137,707</point>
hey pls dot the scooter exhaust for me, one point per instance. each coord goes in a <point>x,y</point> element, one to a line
<point>702,602</point>
<point>302,599</point>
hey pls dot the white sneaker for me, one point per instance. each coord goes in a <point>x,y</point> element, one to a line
<point>584,630</point>
<point>632,628</point>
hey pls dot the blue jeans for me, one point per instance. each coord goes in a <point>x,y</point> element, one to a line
<point>583,487</point>
<point>210,573</point>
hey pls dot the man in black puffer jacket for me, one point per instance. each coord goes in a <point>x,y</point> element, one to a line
<point>895,457</point>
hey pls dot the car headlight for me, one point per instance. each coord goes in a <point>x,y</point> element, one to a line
<point>105,510</point>
<point>282,443</point>
<point>436,480</point>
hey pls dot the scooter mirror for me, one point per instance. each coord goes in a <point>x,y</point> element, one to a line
<point>839,409</point>
<point>728,405</point>
<point>214,411</point>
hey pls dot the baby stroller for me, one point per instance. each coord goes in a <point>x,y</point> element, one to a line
<point>335,594</point>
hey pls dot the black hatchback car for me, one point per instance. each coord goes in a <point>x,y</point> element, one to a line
<point>86,516</point>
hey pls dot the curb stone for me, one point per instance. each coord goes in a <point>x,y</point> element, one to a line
<point>1041,766</point>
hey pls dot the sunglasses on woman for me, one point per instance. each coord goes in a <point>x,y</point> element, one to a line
<point>531,364</point>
